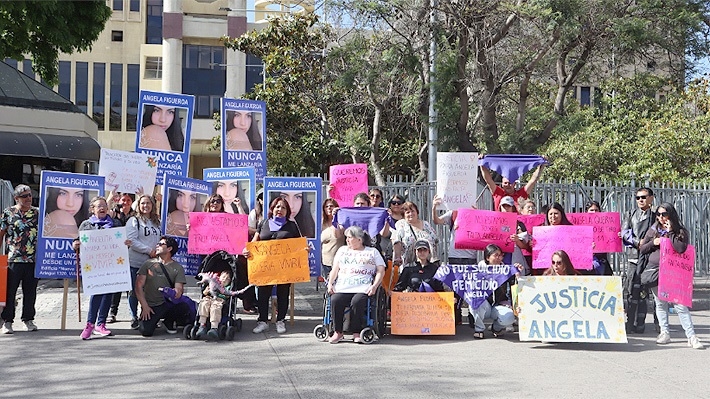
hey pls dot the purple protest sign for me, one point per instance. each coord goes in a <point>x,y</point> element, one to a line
<point>474,283</point>
<point>477,228</point>
<point>575,240</point>
<point>675,276</point>
<point>348,180</point>
<point>607,226</point>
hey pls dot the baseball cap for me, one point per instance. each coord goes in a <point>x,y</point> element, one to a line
<point>507,200</point>
<point>422,244</point>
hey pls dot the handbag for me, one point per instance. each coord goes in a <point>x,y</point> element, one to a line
<point>649,277</point>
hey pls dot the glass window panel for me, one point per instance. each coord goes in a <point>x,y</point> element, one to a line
<point>65,79</point>
<point>116,96</point>
<point>132,96</point>
<point>82,85</point>
<point>99,108</point>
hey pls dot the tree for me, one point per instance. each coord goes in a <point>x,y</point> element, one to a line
<point>45,28</point>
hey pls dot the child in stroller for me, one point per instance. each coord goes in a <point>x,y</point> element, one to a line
<point>217,276</point>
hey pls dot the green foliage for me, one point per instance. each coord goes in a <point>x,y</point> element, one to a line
<point>632,132</point>
<point>45,28</point>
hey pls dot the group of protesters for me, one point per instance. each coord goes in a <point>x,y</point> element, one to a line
<point>398,235</point>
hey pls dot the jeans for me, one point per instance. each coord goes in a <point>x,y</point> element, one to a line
<point>502,316</point>
<point>262,301</point>
<point>20,272</point>
<point>358,310</point>
<point>99,306</point>
<point>683,314</point>
<point>171,313</point>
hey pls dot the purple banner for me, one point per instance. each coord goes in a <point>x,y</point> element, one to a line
<point>474,283</point>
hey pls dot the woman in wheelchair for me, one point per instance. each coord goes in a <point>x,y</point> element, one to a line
<point>422,270</point>
<point>357,273</point>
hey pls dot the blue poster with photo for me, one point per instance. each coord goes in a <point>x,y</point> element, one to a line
<point>164,131</point>
<point>235,185</point>
<point>182,195</point>
<point>64,204</point>
<point>244,135</point>
<point>304,196</point>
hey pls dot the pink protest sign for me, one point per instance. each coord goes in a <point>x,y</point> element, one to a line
<point>531,221</point>
<point>348,180</point>
<point>477,228</point>
<point>607,226</point>
<point>575,240</point>
<point>212,231</point>
<point>675,276</point>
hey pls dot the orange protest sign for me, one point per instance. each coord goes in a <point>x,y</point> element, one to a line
<point>278,261</point>
<point>423,313</point>
<point>3,279</point>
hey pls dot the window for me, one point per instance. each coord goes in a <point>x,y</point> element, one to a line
<point>65,79</point>
<point>204,77</point>
<point>132,96</point>
<point>116,97</point>
<point>135,5</point>
<point>116,35</point>
<point>11,62</point>
<point>585,96</point>
<point>254,72</point>
<point>204,57</point>
<point>99,108</point>
<point>118,5</point>
<point>154,22</point>
<point>153,68</point>
<point>82,85</point>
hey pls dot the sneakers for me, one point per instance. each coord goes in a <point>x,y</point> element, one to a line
<point>213,335</point>
<point>86,334</point>
<point>7,328</point>
<point>30,325</point>
<point>201,332</point>
<point>171,328</point>
<point>280,327</point>
<point>663,338</point>
<point>337,337</point>
<point>356,338</point>
<point>261,326</point>
<point>101,330</point>
<point>135,324</point>
<point>111,318</point>
<point>695,343</point>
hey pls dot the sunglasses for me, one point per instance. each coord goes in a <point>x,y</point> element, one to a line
<point>375,195</point>
<point>216,201</point>
<point>396,202</point>
<point>160,244</point>
<point>557,263</point>
<point>663,214</point>
<point>640,197</point>
<point>25,195</point>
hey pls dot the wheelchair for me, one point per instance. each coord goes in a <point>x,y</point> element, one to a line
<point>376,319</point>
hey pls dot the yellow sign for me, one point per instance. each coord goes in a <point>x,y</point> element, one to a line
<point>278,261</point>
<point>423,313</point>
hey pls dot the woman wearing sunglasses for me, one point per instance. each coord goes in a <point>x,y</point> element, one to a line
<point>668,226</point>
<point>561,265</point>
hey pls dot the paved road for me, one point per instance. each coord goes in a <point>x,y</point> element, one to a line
<point>58,364</point>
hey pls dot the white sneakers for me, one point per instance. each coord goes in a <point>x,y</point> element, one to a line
<point>30,325</point>
<point>663,338</point>
<point>6,328</point>
<point>695,343</point>
<point>260,327</point>
<point>280,327</point>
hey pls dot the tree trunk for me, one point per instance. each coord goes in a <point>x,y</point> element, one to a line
<point>374,147</point>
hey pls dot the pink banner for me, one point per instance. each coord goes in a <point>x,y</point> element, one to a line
<point>575,240</point>
<point>477,228</point>
<point>607,226</point>
<point>531,221</point>
<point>212,231</point>
<point>675,277</point>
<point>348,180</point>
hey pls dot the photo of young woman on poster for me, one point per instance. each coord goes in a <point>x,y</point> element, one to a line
<point>180,204</point>
<point>235,194</point>
<point>243,132</point>
<point>65,209</point>
<point>161,128</point>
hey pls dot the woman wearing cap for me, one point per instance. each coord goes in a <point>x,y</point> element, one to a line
<point>408,231</point>
<point>421,271</point>
<point>521,238</point>
<point>357,272</point>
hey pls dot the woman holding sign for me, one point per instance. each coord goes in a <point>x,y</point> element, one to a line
<point>561,265</point>
<point>278,226</point>
<point>99,304</point>
<point>668,226</point>
<point>357,273</point>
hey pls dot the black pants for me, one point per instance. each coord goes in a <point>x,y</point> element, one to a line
<point>171,313</point>
<point>358,310</point>
<point>20,272</point>
<point>249,296</point>
<point>282,291</point>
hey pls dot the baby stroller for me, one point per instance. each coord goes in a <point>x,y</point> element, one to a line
<point>376,319</point>
<point>229,325</point>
